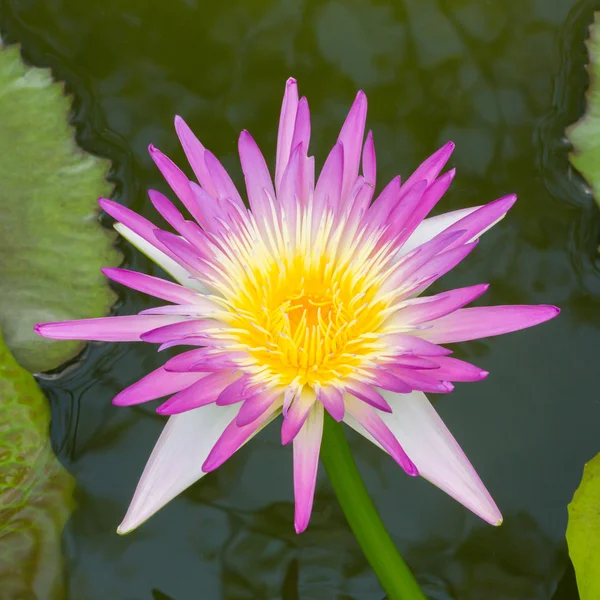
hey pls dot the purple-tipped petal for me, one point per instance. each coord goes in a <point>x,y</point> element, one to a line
<point>428,229</point>
<point>430,168</point>
<point>105,329</point>
<point>371,421</point>
<point>437,455</point>
<point>287,123</point>
<point>424,381</point>
<point>234,437</point>
<point>297,415</point>
<point>154,286</point>
<point>194,152</point>
<point>329,185</point>
<point>155,385</point>
<point>176,461</point>
<point>177,330</point>
<point>178,181</point>
<point>333,401</point>
<point>256,404</point>
<point>302,126</point>
<point>452,369</point>
<point>479,221</point>
<point>434,307</point>
<point>369,162</point>
<point>307,445</point>
<point>486,321</point>
<point>436,268</point>
<point>402,343</point>
<point>368,394</point>
<point>351,137</point>
<point>224,186</point>
<point>203,392</point>
<point>257,176</point>
<point>233,393</point>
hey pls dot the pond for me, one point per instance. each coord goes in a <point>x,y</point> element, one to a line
<point>502,80</point>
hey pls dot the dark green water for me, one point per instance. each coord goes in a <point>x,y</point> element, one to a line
<point>501,79</point>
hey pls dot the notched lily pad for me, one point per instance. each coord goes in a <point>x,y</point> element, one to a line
<point>35,490</point>
<point>583,531</point>
<point>51,244</point>
<point>585,133</point>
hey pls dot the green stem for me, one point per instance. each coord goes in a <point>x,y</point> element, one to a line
<point>366,524</point>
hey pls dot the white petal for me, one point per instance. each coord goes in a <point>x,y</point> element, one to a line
<point>429,228</point>
<point>160,258</point>
<point>176,461</point>
<point>435,452</point>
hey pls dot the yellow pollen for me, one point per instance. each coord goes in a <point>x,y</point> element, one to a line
<point>306,317</point>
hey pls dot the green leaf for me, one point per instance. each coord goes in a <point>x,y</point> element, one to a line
<point>35,490</point>
<point>583,531</point>
<point>585,134</point>
<point>51,244</point>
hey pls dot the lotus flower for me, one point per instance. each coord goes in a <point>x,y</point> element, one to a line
<point>307,301</point>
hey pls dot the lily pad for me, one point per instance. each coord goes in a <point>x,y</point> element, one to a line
<point>51,243</point>
<point>585,133</point>
<point>583,531</point>
<point>35,490</point>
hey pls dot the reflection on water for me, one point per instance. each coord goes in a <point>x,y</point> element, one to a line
<point>500,79</point>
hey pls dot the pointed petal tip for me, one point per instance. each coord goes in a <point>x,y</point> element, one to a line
<point>300,525</point>
<point>291,81</point>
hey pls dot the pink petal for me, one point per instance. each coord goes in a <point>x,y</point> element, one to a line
<point>255,405</point>
<point>382,206</point>
<point>432,227</point>
<point>436,268</point>
<point>333,401</point>
<point>369,163</point>
<point>481,219</point>
<point>194,152</point>
<point>296,415</point>
<point>437,455</point>
<point>105,329</point>
<point>154,286</point>
<point>430,168</point>
<point>155,385</point>
<point>138,224</point>
<point>421,381</point>
<point>177,330</point>
<point>402,343</point>
<point>329,184</point>
<point>430,198</point>
<point>202,359</point>
<point>203,392</point>
<point>287,122</point>
<point>400,215</point>
<point>486,321</point>
<point>176,461</point>
<point>233,393</point>
<point>178,181</point>
<point>257,176</point>
<point>222,182</point>
<point>371,421</point>
<point>307,445</point>
<point>351,137</point>
<point>302,126</point>
<point>434,307</point>
<point>234,437</point>
<point>388,381</point>
<point>418,258</point>
<point>368,394</point>
<point>452,369</point>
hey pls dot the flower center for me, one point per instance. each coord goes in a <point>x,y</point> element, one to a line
<point>308,324</point>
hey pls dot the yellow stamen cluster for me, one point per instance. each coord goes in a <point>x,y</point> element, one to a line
<point>308,312</point>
